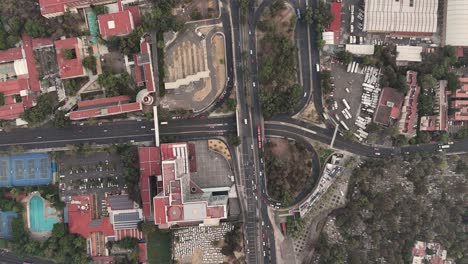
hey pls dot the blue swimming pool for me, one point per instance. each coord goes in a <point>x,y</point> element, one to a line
<point>39,222</point>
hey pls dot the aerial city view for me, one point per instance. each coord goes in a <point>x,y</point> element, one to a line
<point>234,131</point>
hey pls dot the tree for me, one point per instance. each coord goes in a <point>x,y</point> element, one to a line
<point>89,63</point>
<point>99,9</point>
<point>69,54</point>
<point>196,14</point>
<point>428,82</point>
<point>453,82</point>
<point>345,56</point>
<point>61,120</point>
<point>127,243</point>
<point>320,43</point>
<point>231,104</point>
<point>234,140</point>
<point>44,107</point>
<point>36,29</point>
<point>2,99</point>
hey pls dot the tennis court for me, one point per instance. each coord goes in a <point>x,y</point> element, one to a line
<point>25,169</point>
<point>5,223</point>
<point>40,221</point>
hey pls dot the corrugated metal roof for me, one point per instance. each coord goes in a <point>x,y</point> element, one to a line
<point>401,16</point>
<point>456,21</point>
<point>120,202</point>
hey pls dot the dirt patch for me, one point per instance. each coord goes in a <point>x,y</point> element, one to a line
<point>310,113</point>
<point>288,168</point>
<point>197,256</point>
<point>220,147</point>
<point>219,62</point>
<point>200,95</point>
<point>281,21</point>
<point>197,9</point>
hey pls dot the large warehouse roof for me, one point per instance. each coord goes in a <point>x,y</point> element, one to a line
<point>412,16</point>
<point>456,21</point>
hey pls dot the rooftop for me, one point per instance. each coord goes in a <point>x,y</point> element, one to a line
<point>407,16</point>
<point>455,24</point>
<point>410,105</point>
<point>69,68</point>
<point>389,106</point>
<point>335,25</point>
<point>10,55</point>
<point>105,111</point>
<point>116,24</point>
<point>409,53</point>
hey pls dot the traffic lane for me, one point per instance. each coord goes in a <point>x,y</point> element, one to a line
<point>340,142</point>
<point>119,139</point>
<point>107,129</point>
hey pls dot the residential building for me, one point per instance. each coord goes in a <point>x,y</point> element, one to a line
<point>105,107</point>
<point>176,198</point>
<point>432,253</point>
<point>116,24</point>
<point>144,66</point>
<point>437,121</point>
<point>460,101</point>
<point>389,106</point>
<point>19,81</point>
<point>455,23</point>
<point>70,67</point>
<point>53,8</point>
<point>84,219</point>
<point>409,112</point>
<point>413,17</point>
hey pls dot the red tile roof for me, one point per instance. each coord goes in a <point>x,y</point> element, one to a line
<point>160,216</point>
<point>116,24</point>
<point>215,211</point>
<point>390,103</point>
<point>142,257</point>
<point>148,68</point>
<point>335,25</point>
<point>101,101</point>
<point>69,68</point>
<point>38,43</point>
<point>106,111</point>
<point>12,111</point>
<point>411,104</point>
<point>79,218</point>
<point>58,6</point>
<point>135,10</point>
<point>149,158</point>
<point>10,55</point>
<point>31,63</point>
<point>12,87</point>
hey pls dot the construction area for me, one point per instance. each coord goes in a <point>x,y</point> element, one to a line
<point>195,69</point>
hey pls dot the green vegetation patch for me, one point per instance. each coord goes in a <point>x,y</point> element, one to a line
<point>159,244</point>
<point>288,169</point>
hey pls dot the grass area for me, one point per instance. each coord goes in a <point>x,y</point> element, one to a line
<point>323,153</point>
<point>3,243</point>
<point>159,247</point>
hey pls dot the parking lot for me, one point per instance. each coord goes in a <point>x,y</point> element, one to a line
<point>96,173</point>
<point>353,83</point>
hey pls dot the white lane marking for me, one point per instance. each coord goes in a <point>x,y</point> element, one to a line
<point>292,125</point>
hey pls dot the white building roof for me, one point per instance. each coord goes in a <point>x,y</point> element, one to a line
<point>409,53</point>
<point>418,16</point>
<point>328,37</point>
<point>360,49</point>
<point>456,21</point>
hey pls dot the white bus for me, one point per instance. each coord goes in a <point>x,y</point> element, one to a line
<point>346,104</point>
